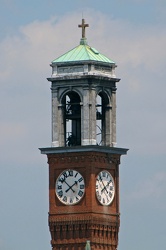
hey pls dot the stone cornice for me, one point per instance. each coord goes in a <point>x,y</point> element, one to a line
<point>89,148</point>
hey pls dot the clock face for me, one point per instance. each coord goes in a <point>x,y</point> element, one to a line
<point>70,187</point>
<point>105,188</point>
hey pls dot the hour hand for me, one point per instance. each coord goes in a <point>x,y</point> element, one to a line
<point>104,187</point>
<point>70,187</point>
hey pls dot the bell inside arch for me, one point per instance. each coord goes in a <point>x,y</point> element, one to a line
<point>72,119</point>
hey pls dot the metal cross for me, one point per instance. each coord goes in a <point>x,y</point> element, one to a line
<point>83,26</point>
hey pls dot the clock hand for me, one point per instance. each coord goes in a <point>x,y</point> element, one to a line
<point>70,187</point>
<point>104,187</point>
<point>99,183</point>
<point>101,187</point>
<point>67,183</point>
<point>108,183</point>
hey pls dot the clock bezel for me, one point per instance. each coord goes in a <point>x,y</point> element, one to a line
<point>79,198</point>
<point>113,192</point>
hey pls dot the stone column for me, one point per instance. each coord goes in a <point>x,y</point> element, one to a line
<point>85,118</point>
<point>55,103</point>
<point>108,125</point>
<point>61,125</point>
<point>114,117</point>
<point>88,118</point>
<point>92,120</point>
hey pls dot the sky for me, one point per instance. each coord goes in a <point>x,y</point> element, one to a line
<point>32,34</point>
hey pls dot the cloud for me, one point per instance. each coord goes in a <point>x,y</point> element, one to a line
<point>26,106</point>
<point>129,44</point>
<point>41,41</point>
<point>139,52</point>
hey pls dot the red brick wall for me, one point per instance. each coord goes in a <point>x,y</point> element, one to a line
<point>72,226</point>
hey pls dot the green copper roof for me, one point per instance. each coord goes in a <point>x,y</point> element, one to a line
<point>83,52</point>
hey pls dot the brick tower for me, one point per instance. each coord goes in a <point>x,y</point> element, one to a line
<point>83,160</point>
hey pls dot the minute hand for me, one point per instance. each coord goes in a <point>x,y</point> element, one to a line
<point>104,187</point>
<point>71,187</point>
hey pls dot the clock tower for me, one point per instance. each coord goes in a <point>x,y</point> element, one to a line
<point>83,158</point>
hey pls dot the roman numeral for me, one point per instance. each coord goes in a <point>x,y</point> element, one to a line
<point>80,193</point>
<point>104,174</point>
<point>80,179</point>
<point>60,193</point>
<point>70,172</point>
<point>71,200</point>
<point>81,186</point>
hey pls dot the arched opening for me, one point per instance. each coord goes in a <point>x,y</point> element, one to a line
<point>101,106</point>
<point>72,119</point>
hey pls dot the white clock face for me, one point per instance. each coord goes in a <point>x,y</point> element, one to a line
<point>70,187</point>
<point>105,188</point>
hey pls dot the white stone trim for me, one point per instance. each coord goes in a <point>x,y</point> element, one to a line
<point>55,144</point>
<point>88,142</point>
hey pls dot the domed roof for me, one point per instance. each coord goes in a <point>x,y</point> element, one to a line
<point>83,52</point>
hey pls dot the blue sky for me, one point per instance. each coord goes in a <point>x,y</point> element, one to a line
<point>130,32</point>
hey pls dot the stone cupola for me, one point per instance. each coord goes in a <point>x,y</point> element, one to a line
<point>83,85</point>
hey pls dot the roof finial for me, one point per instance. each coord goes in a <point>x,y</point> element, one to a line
<point>83,26</point>
<point>88,247</point>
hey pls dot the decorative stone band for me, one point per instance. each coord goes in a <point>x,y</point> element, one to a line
<point>108,220</point>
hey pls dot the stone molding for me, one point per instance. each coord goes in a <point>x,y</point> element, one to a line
<point>61,158</point>
<point>53,219</point>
